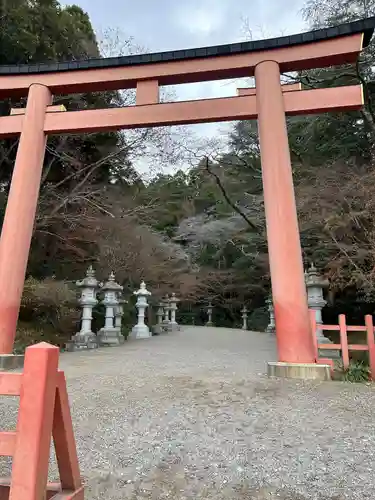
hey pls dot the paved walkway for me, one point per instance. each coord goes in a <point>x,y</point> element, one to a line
<point>192,416</point>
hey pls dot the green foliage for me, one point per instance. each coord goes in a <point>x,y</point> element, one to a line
<point>49,312</point>
<point>180,196</point>
<point>345,136</point>
<point>78,170</point>
<point>258,319</point>
<point>29,334</point>
<point>357,371</point>
<point>129,319</point>
<point>42,30</point>
<point>125,330</point>
<point>48,300</point>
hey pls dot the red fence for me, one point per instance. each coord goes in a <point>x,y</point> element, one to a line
<point>344,346</point>
<point>43,413</point>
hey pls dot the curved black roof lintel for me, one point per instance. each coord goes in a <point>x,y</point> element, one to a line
<point>365,26</point>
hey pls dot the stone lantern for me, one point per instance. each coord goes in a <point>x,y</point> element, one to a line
<point>110,335</point>
<point>119,311</point>
<point>244,312</point>
<point>173,308</point>
<point>315,285</point>
<point>271,328</point>
<point>158,328</point>
<point>141,330</point>
<point>85,338</point>
<point>166,305</point>
<point>209,309</point>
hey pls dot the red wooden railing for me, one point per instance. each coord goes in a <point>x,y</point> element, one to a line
<point>43,413</point>
<point>344,346</point>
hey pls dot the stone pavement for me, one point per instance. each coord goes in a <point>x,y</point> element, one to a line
<point>191,415</point>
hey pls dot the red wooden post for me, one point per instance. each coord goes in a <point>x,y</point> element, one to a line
<point>34,426</point>
<point>344,341</point>
<point>19,216</point>
<point>10,384</point>
<point>147,92</point>
<point>293,329</point>
<point>43,412</point>
<point>371,344</point>
<point>63,437</point>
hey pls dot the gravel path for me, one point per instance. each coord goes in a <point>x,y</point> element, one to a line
<point>191,416</point>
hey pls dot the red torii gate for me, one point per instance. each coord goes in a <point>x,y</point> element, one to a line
<point>264,59</point>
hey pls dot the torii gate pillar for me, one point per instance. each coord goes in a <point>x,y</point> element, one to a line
<point>20,212</point>
<point>293,330</point>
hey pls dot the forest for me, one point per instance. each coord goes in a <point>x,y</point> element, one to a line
<point>197,231</point>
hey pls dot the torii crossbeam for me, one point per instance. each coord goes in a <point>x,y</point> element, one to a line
<point>243,107</point>
<point>269,103</point>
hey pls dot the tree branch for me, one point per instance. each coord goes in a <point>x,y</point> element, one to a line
<point>235,207</point>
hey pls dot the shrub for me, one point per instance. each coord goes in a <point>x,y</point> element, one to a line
<point>49,312</point>
<point>29,334</point>
<point>258,319</point>
<point>358,371</point>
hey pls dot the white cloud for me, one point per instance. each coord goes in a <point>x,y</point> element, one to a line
<point>200,18</point>
<point>200,21</point>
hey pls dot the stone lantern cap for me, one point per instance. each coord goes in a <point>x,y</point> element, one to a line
<point>120,298</point>
<point>244,310</point>
<point>165,300</point>
<point>174,298</point>
<point>142,290</point>
<point>313,278</point>
<point>90,281</point>
<point>111,285</point>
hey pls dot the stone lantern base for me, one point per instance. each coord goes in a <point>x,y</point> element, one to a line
<point>270,329</point>
<point>140,332</point>
<point>110,337</point>
<point>161,328</point>
<point>326,353</point>
<point>11,362</point>
<point>166,326</point>
<point>157,329</point>
<point>82,341</point>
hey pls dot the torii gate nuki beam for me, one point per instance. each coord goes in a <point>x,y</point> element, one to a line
<point>269,103</point>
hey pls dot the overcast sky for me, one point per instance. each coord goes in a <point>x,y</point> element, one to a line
<point>179,24</point>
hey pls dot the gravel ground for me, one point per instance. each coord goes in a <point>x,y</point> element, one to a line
<point>191,416</point>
